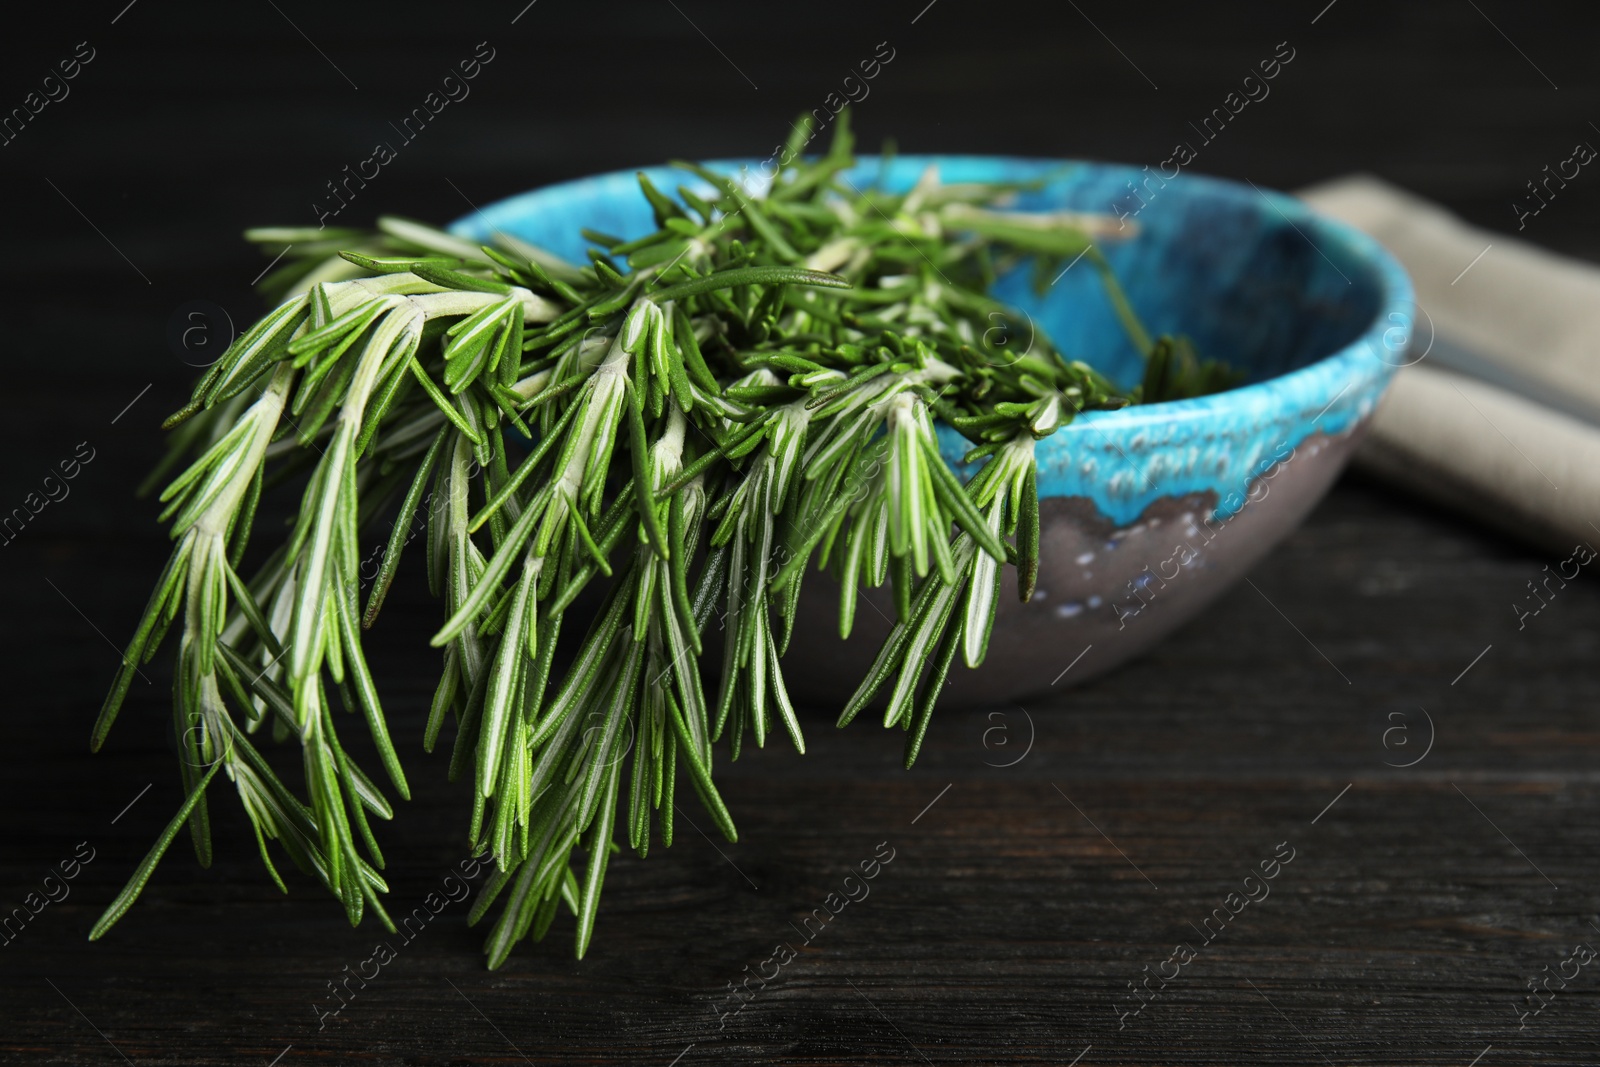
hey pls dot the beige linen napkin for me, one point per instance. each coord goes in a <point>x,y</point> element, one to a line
<point>1499,415</point>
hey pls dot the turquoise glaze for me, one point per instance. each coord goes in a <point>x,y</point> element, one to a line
<point>1316,313</point>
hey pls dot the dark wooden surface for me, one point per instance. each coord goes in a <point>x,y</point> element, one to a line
<point>1018,906</point>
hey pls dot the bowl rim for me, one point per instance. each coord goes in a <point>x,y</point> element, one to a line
<point>1316,386</point>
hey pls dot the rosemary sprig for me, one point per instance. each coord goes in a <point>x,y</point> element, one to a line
<point>694,416</point>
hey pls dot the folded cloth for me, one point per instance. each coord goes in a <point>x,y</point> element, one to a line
<point>1497,413</point>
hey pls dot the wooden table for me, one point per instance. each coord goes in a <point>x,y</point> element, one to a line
<point>1047,857</point>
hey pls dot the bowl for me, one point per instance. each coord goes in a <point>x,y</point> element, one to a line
<point>1150,513</point>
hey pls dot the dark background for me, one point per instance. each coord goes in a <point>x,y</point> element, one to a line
<point>1008,926</point>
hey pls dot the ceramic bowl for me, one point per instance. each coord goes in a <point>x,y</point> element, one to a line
<point>1149,513</point>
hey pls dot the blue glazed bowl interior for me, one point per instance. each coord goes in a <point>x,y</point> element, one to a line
<point>1314,313</point>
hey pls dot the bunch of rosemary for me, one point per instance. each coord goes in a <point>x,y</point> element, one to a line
<point>687,422</point>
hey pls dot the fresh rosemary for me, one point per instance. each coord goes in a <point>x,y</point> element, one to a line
<point>686,422</point>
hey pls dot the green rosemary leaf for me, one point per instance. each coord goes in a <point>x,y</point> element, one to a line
<point>612,528</point>
<point>344,328</point>
<point>640,449</point>
<point>255,348</point>
<point>799,137</point>
<point>983,596</point>
<point>694,360</point>
<point>700,774</point>
<point>935,603</point>
<point>560,389</point>
<point>888,661</point>
<point>398,264</point>
<point>599,854</point>
<point>246,602</point>
<point>781,695</point>
<point>709,459</point>
<point>621,700</point>
<point>955,498</point>
<point>696,204</point>
<point>501,689</point>
<point>678,564</point>
<point>931,691</point>
<point>330,396</point>
<point>168,590</point>
<point>1120,303</point>
<point>605,240</point>
<point>497,948</point>
<point>750,276</point>
<point>508,400</point>
<point>497,567</point>
<point>443,697</point>
<point>393,387</point>
<point>1028,536</point>
<point>527,467</point>
<point>453,279</point>
<point>467,731</point>
<point>663,207</point>
<point>147,866</point>
<point>351,778</point>
<point>596,650</point>
<point>558,282</point>
<point>588,542</point>
<point>268,691</point>
<point>508,353</point>
<point>400,532</point>
<point>901,580</point>
<point>848,385</point>
<point>344,608</point>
